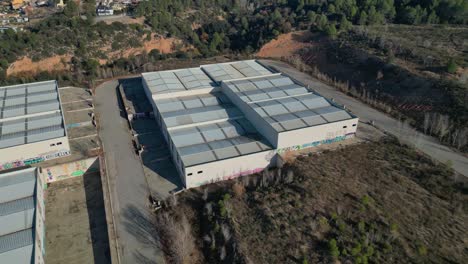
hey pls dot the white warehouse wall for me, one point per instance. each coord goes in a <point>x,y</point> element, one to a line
<point>299,137</point>
<point>229,168</point>
<point>13,156</point>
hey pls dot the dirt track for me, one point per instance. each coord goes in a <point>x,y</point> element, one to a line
<point>426,144</point>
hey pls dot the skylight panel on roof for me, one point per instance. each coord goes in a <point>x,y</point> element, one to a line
<point>281,81</point>
<point>213,135</point>
<point>262,84</point>
<point>292,104</point>
<point>273,108</point>
<point>190,138</point>
<point>194,149</point>
<point>16,91</point>
<point>227,152</point>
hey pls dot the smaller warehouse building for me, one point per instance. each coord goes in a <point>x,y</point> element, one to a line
<point>21,217</point>
<point>32,126</point>
<point>227,120</point>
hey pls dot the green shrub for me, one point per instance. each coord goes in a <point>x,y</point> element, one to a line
<point>356,250</point>
<point>452,66</point>
<point>333,248</point>
<point>387,248</point>
<point>222,208</point>
<point>422,250</point>
<point>365,200</point>
<point>370,251</point>
<point>362,226</point>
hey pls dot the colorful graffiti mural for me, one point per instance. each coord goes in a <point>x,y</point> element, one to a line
<point>72,169</point>
<point>315,143</point>
<point>87,123</point>
<point>31,161</point>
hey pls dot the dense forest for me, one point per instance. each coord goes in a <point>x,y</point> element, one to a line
<point>212,26</point>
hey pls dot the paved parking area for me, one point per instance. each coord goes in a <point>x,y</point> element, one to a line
<point>136,236</point>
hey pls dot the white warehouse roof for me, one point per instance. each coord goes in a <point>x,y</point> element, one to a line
<point>30,113</point>
<point>235,70</point>
<point>214,124</point>
<point>177,81</point>
<point>284,104</point>
<point>17,208</point>
<point>208,127</point>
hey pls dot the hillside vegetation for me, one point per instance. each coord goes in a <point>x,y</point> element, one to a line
<point>212,27</point>
<point>370,203</point>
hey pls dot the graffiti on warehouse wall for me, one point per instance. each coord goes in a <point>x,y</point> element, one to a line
<point>31,161</point>
<point>269,156</point>
<point>315,143</point>
<point>72,169</point>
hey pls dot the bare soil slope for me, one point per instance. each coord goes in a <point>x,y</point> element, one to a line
<point>285,45</point>
<point>26,66</point>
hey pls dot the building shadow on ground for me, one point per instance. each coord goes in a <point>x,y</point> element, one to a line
<point>141,225</point>
<point>161,172</point>
<point>97,217</point>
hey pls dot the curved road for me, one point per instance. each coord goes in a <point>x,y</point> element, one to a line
<point>136,237</point>
<point>424,143</point>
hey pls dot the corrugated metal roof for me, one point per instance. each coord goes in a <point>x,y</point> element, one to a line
<point>235,70</point>
<point>221,140</point>
<point>28,99</point>
<point>177,81</point>
<point>210,127</point>
<point>16,206</point>
<point>18,103</point>
<point>188,110</point>
<point>16,240</point>
<point>284,104</point>
<point>17,234</point>
<point>16,177</point>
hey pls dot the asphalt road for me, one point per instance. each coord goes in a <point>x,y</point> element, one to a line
<point>426,144</point>
<point>136,237</point>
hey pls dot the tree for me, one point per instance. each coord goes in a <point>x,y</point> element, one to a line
<point>362,18</point>
<point>91,66</point>
<point>333,248</point>
<point>331,31</point>
<point>345,25</point>
<point>452,66</point>
<point>322,22</point>
<point>71,9</point>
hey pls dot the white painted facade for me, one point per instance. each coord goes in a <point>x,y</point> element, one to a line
<point>32,153</point>
<point>318,133</point>
<point>228,169</point>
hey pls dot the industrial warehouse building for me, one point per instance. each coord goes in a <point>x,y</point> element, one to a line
<point>226,120</point>
<point>22,214</point>
<point>31,124</point>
